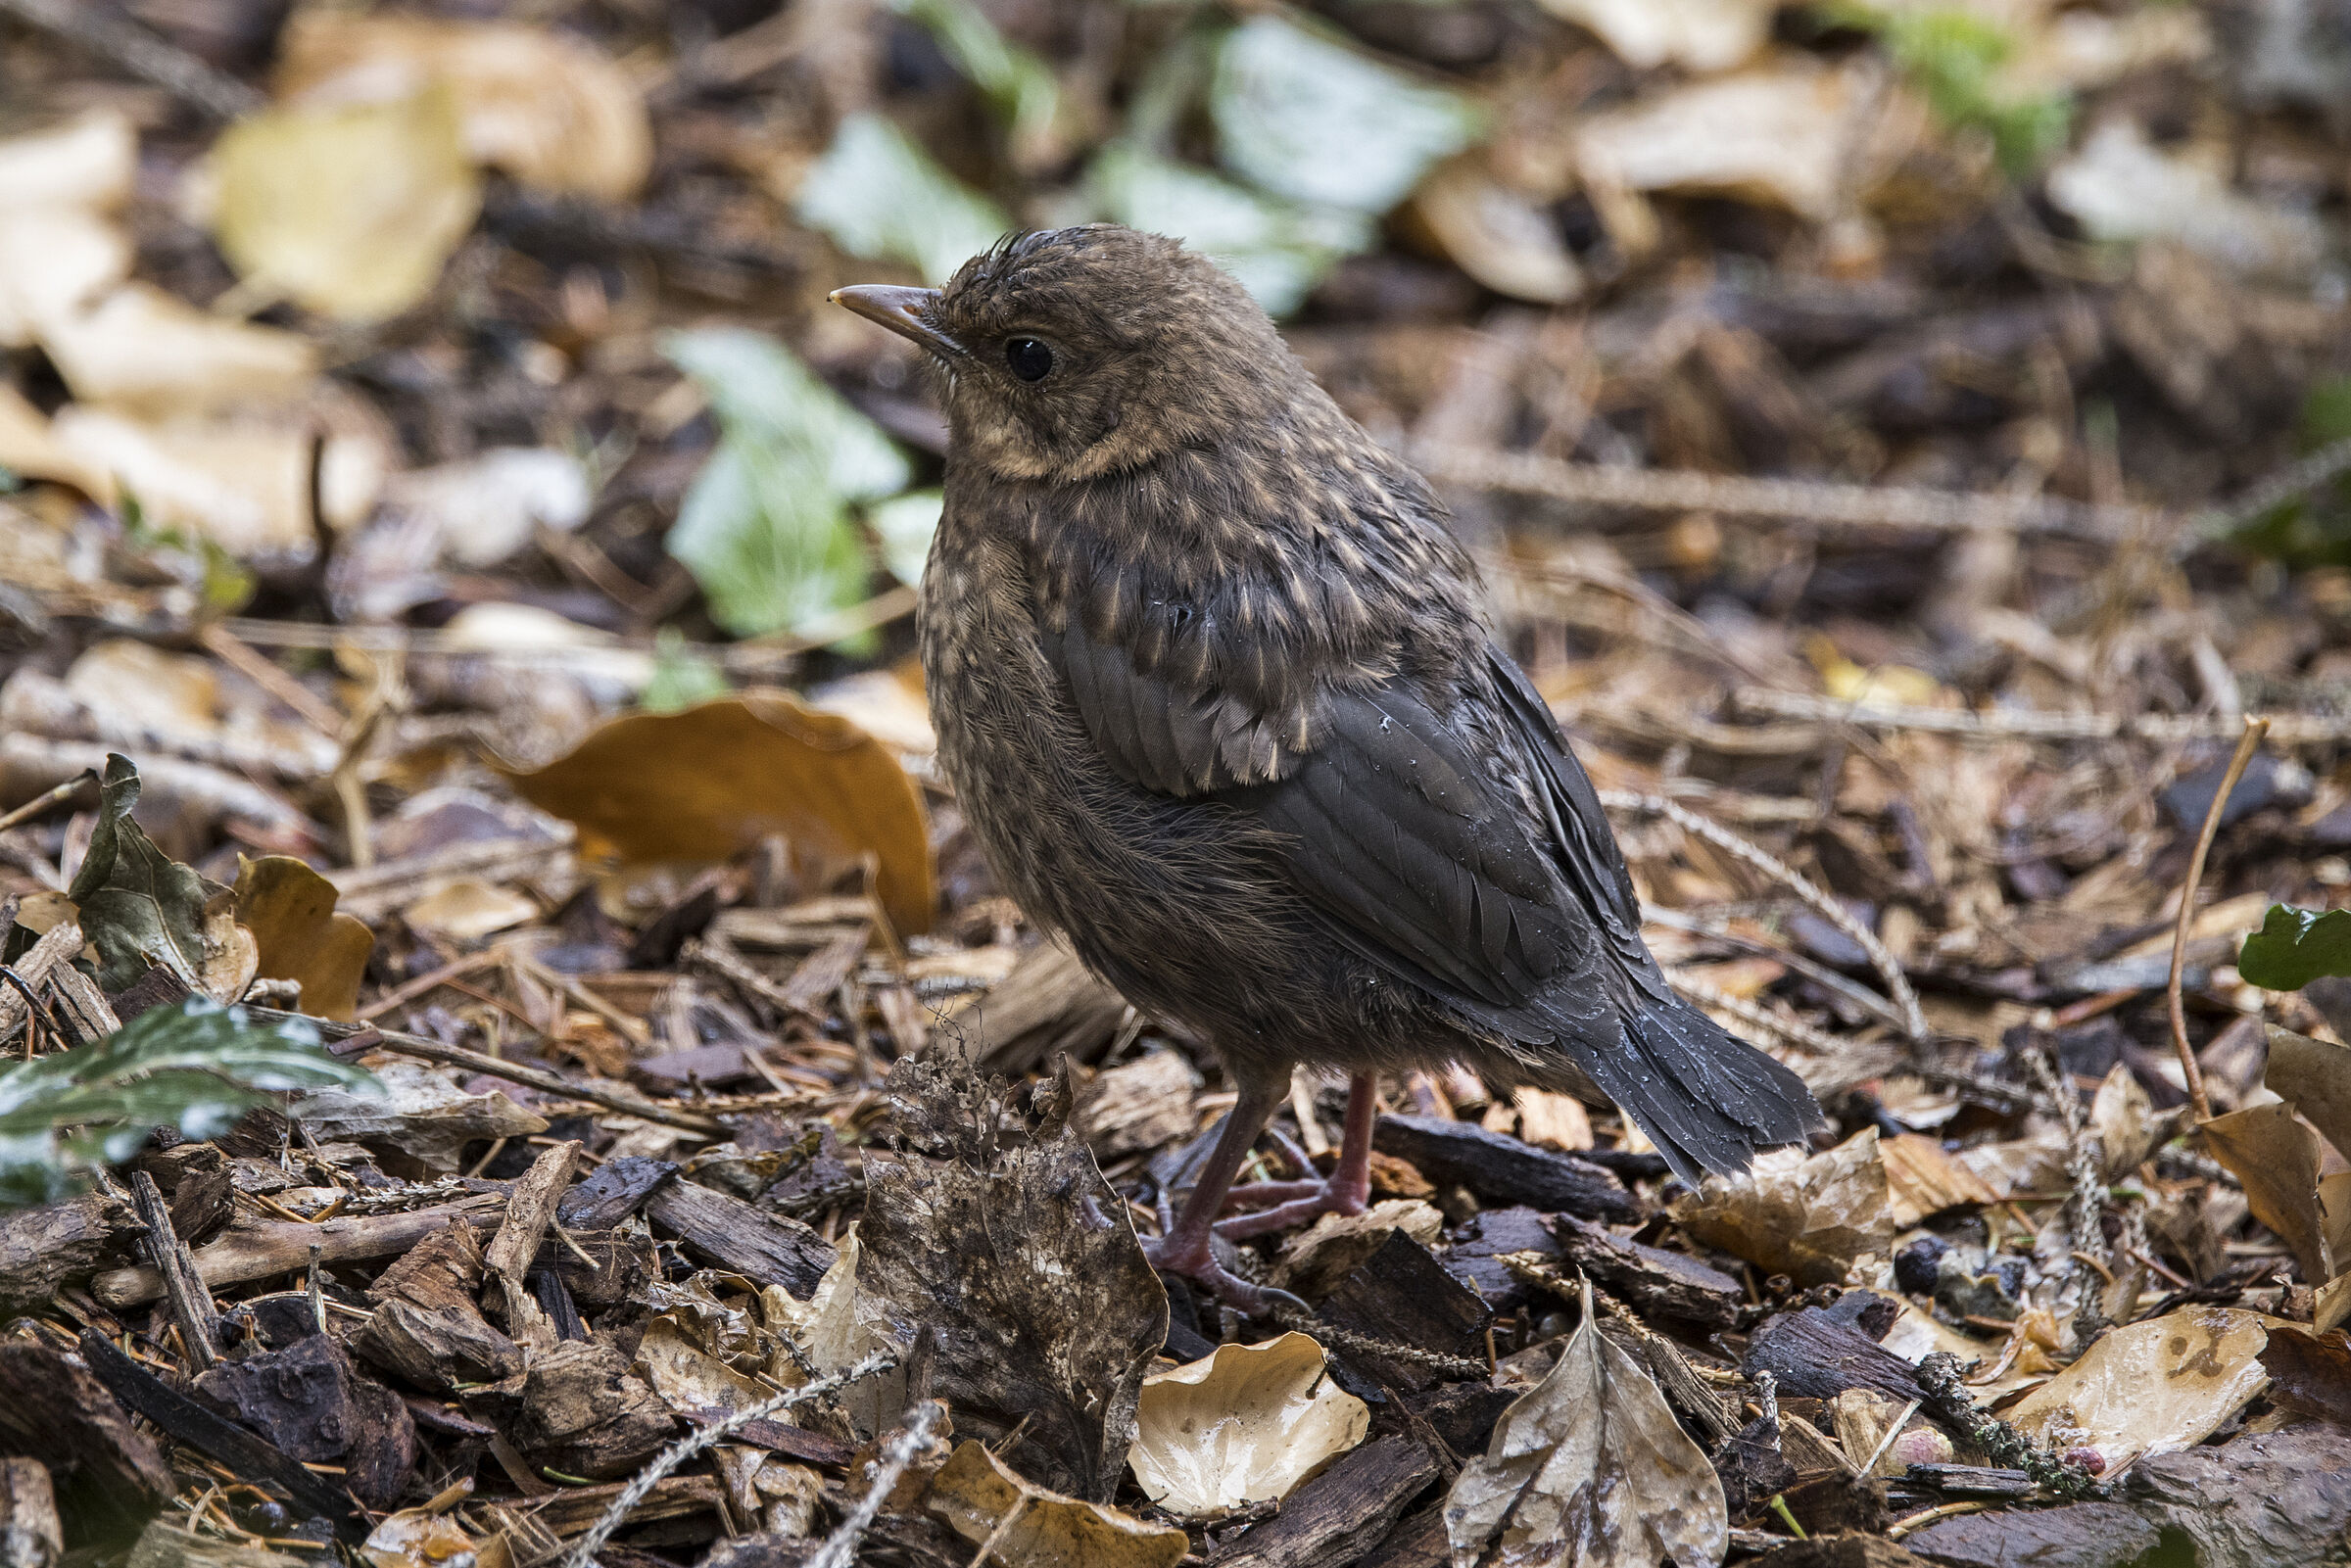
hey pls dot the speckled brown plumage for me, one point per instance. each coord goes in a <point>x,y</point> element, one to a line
<point>1211,681</point>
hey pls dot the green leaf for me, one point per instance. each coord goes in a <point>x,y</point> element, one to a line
<point>1303,115</point>
<point>2296,946</point>
<point>196,1067</point>
<point>682,677</point>
<point>905,525</point>
<point>877,194</point>
<point>1018,86</point>
<point>765,527</point>
<point>1956,56</point>
<point>138,905</point>
<point>1279,249</point>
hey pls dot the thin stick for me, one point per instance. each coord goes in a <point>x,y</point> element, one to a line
<point>1796,501</point>
<point>583,1555</point>
<point>48,798</point>
<point>1889,968</point>
<point>840,1550</point>
<point>122,42</point>
<point>2255,729</point>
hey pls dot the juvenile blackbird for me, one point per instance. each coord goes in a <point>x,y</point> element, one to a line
<point>1210,680</point>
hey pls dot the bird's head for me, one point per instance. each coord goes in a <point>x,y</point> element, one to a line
<point>1074,352</point>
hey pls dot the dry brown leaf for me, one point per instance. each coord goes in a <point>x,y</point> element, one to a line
<point>705,782</point>
<point>416,1537</point>
<point>545,106</point>
<point>1590,1468</point>
<point>1246,1424</point>
<point>290,910</point>
<point>243,484</point>
<point>2314,1077</point>
<point>1808,1217</point>
<point>348,209</point>
<point>142,350</point>
<point>2150,1388</point>
<point>1552,1120</point>
<point>1921,1179</point>
<point>2275,1158</point>
<point>1028,1527</point>
<point>467,910</point>
<point>2123,1121</point>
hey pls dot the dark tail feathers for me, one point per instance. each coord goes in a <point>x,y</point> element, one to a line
<point>1704,1097</point>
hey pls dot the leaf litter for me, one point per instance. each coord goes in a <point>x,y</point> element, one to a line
<point>492,573</point>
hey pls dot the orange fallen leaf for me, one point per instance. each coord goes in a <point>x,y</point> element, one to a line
<point>706,782</point>
<point>291,910</point>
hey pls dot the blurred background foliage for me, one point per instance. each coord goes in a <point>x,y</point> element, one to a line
<point>344,306</point>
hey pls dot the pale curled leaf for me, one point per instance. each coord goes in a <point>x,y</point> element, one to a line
<point>1245,1424</point>
<point>1703,35</point>
<point>145,351</point>
<point>545,106</point>
<point>2150,1388</point>
<point>1028,1527</point>
<point>1588,1470</point>
<point>1806,1217</point>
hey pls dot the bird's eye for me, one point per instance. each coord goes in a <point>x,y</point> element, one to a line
<point>1030,360</point>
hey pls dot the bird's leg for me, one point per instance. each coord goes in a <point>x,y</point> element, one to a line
<point>1347,1190</point>
<point>1185,1248</point>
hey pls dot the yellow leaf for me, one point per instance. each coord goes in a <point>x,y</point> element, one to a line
<point>143,350</point>
<point>983,1499</point>
<point>709,780</point>
<point>2164,1384</point>
<point>291,910</point>
<point>349,210</point>
<point>1805,1215</point>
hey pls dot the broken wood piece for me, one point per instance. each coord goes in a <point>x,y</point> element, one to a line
<point>1502,1170</point>
<point>729,1233</point>
<point>31,1535</point>
<point>56,945</point>
<point>192,1306</point>
<point>1400,1295</point>
<point>529,1208</point>
<point>1651,1279</point>
<point>1335,1518</point>
<point>109,1471</point>
<point>266,1249</point>
<point>584,1412</point>
<point>612,1192</point>
<point>251,1457</point>
<point>310,1403</point>
<point>44,1248</point>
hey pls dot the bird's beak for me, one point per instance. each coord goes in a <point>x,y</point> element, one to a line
<point>905,312</point>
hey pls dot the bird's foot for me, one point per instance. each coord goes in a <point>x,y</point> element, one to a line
<point>1199,1265</point>
<point>1291,1202</point>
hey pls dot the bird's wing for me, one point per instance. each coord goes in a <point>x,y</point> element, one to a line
<point>1412,854</point>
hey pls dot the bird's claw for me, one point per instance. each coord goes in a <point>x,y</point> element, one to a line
<point>1292,1202</point>
<point>1249,1299</point>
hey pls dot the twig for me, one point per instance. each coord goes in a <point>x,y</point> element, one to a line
<point>840,1550</point>
<point>122,41</point>
<point>2329,462</point>
<point>1794,1030</point>
<point>1798,500</point>
<point>1897,984</point>
<point>2255,729</point>
<point>2291,729</point>
<point>677,1454</point>
<point>47,798</point>
<point>1949,1401</point>
<point>347,1038</point>
<point>192,1306</point>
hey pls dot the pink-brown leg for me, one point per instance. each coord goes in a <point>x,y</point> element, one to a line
<point>1346,1191</point>
<point>1185,1248</point>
